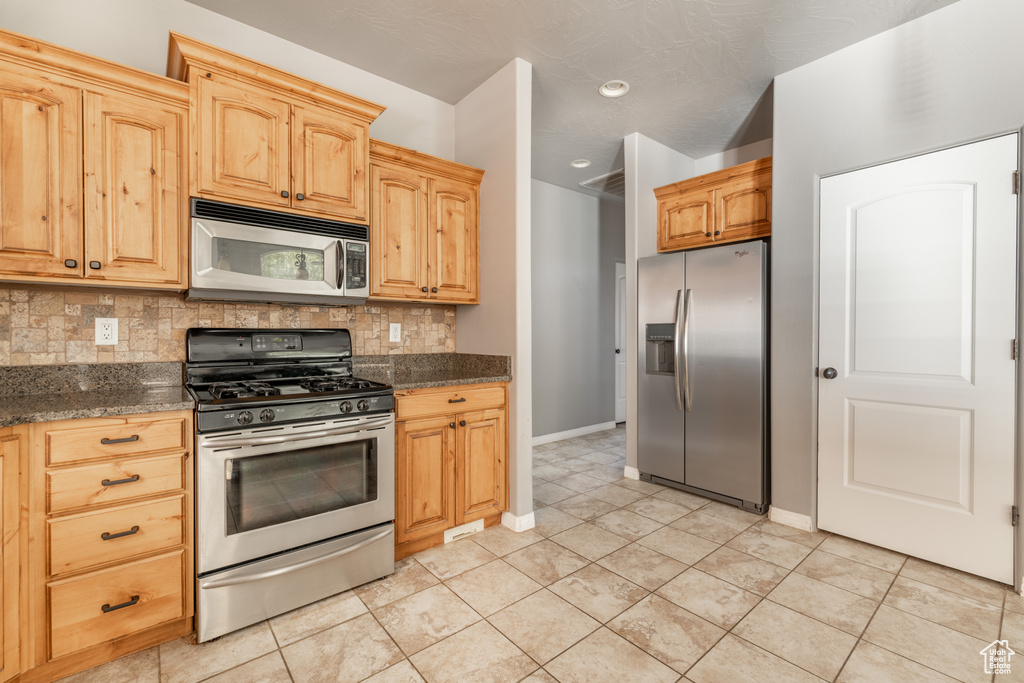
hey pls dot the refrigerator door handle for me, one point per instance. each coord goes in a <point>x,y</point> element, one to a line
<point>677,361</point>
<point>687,389</point>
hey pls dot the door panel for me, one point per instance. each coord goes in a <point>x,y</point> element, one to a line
<point>743,207</point>
<point>40,175</point>
<point>620,342</point>
<point>686,220</point>
<point>134,180</point>
<point>453,240</point>
<point>243,142</point>
<point>425,478</point>
<point>330,161</point>
<point>398,231</point>
<point>480,463</point>
<point>917,310</point>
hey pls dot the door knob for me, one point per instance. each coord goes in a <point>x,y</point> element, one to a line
<point>424,289</point>
<point>452,425</point>
<point>462,423</point>
<point>617,351</point>
<point>829,373</point>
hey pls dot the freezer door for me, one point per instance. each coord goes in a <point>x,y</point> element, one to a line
<point>726,358</point>
<point>660,422</point>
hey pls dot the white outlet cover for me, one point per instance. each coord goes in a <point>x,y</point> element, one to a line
<point>106,331</point>
<point>396,332</point>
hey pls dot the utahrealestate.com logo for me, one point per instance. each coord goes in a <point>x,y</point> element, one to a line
<point>997,657</point>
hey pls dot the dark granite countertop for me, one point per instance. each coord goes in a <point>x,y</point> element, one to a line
<point>420,370</point>
<point>65,392</point>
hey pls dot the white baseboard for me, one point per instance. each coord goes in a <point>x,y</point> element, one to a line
<point>631,473</point>
<point>518,523</point>
<point>580,431</point>
<point>793,519</point>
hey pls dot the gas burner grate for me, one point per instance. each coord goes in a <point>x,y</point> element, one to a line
<point>242,390</point>
<point>319,385</point>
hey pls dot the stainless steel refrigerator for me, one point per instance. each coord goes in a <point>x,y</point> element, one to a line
<point>702,380</point>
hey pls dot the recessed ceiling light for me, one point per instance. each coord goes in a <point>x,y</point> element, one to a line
<point>614,88</point>
<point>580,163</point>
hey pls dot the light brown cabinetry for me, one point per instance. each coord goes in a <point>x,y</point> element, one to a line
<point>109,566</point>
<point>424,227</point>
<point>263,136</point>
<point>93,170</point>
<point>451,461</point>
<point>11,444</point>
<point>726,206</point>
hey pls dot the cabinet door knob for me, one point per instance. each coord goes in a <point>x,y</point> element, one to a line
<point>300,196</point>
<point>434,290</point>
<point>707,234</point>
<point>462,423</point>
<point>452,425</point>
<point>70,263</point>
<point>718,232</point>
<point>424,289</point>
<point>95,265</point>
<point>284,193</point>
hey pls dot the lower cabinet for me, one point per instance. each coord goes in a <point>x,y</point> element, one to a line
<point>108,541</point>
<point>11,443</point>
<point>452,461</point>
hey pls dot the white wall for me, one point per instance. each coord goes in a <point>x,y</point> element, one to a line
<point>950,77</point>
<point>576,240</point>
<point>733,157</point>
<point>493,133</point>
<point>134,33</point>
<point>649,164</point>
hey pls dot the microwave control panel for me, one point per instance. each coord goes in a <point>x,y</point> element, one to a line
<point>355,266</point>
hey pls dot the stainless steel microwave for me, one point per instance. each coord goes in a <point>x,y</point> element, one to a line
<point>242,253</point>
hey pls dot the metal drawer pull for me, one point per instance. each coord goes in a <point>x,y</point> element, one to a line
<point>107,442</point>
<point>107,536</point>
<point>107,482</point>
<point>462,423</point>
<point>110,608</point>
<point>457,400</point>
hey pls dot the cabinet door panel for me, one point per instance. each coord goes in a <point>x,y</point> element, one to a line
<point>425,478</point>
<point>743,208</point>
<point>398,232</point>
<point>40,175</point>
<point>685,220</point>
<point>243,142</point>
<point>134,155</point>
<point>480,463</point>
<point>9,556</point>
<point>454,241</point>
<point>330,158</point>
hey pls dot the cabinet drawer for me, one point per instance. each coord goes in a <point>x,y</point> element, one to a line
<point>151,592</point>
<point>107,441</point>
<point>96,538</point>
<point>449,402</point>
<point>113,482</point>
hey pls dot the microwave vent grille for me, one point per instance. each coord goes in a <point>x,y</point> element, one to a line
<point>246,215</point>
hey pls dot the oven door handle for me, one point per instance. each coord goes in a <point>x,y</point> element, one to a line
<point>263,440</point>
<point>270,573</point>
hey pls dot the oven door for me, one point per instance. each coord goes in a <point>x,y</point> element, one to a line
<point>268,490</point>
<point>230,256</point>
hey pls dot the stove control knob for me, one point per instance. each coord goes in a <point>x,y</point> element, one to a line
<point>244,417</point>
<point>346,407</point>
<point>363,406</point>
<point>267,415</point>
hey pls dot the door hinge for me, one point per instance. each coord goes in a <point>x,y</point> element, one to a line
<point>1016,182</point>
<point>1013,349</point>
<point>1014,515</point>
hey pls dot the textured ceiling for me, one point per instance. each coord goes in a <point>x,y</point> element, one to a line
<point>699,70</point>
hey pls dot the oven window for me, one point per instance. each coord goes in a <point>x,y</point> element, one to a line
<point>268,260</point>
<point>265,490</point>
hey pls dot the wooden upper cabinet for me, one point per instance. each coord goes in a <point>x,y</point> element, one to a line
<point>134,184</point>
<point>267,137</point>
<point>242,143</point>
<point>424,227</point>
<point>92,170</point>
<point>331,155</point>
<point>40,174</point>
<point>725,206</point>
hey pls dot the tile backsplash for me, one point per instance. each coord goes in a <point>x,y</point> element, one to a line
<point>43,326</point>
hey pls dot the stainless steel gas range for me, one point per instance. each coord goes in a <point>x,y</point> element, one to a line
<point>295,473</point>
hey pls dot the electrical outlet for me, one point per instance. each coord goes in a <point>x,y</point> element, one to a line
<point>396,332</point>
<point>106,331</point>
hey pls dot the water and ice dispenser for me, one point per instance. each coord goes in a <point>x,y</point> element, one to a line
<point>661,356</point>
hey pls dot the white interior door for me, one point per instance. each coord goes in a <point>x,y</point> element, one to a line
<point>620,342</point>
<point>917,315</point>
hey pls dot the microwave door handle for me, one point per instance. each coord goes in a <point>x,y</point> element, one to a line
<point>341,265</point>
<point>264,440</point>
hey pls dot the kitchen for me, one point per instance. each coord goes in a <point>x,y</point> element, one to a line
<point>493,327</point>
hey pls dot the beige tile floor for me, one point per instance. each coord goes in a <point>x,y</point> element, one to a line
<point>622,581</point>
